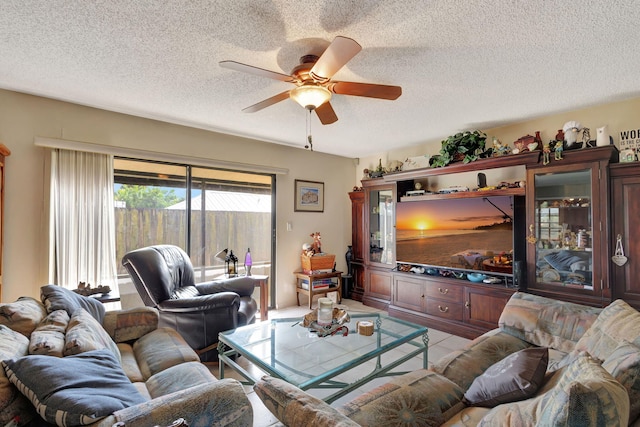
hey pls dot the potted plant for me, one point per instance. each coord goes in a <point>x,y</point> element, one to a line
<point>466,146</point>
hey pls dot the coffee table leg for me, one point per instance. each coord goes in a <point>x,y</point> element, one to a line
<point>425,359</point>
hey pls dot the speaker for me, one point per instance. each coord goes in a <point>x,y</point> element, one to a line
<point>482,180</point>
<point>519,270</point>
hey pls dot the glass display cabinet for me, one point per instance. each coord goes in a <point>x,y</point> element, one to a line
<point>381,216</point>
<point>567,230</point>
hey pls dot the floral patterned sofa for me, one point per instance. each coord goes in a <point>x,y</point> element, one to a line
<point>65,361</point>
<point>549,363</point>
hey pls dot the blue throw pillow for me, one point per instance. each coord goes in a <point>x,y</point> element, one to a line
<point>74,390</point>
<point>58,298</point>
<point>562,260</point>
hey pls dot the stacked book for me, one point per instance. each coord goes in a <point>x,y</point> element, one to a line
<point>317,284</point>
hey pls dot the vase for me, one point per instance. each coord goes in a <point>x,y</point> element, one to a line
<point>349,257</point>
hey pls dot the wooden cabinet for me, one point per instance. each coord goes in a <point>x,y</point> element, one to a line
<point>483,306</point>
<point>625,222</point>
<point>448,305</point>
<point>567,216</point>
<point>4,152</point>
<point>377,288</point>
<point>358,244</point>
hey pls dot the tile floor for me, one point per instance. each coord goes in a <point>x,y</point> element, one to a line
<point>440,343</point>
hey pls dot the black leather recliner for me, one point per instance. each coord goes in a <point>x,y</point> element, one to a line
<point>163,276</point>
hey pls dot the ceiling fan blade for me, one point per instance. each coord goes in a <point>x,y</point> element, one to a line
<point>339,52</point>
<point>237,66</point>
<point>366,89</point>
<point>326,114</point>
<point>267,102</point>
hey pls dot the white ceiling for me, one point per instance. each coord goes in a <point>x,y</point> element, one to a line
<point>461,64</point>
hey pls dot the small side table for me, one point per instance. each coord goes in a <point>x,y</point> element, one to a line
<point>262,281</point>
<point>300,276</point>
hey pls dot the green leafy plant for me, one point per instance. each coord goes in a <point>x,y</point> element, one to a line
<point>466,146</point>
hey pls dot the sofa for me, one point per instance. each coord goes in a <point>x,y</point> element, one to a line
<point>548,363</point>
<point>65,361</point>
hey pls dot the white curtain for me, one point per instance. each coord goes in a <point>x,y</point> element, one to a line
<point>82,219</point>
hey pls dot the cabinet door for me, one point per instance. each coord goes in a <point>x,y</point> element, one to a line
<point>357,225</point>
<point>565,238</point>
<point>409,293</point>
<point>378,284</point>
<point>626,224</point>
<point>484,306</point>
<point>381,225</point>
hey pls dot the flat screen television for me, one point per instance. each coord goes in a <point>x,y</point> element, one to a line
<point>460,233</point>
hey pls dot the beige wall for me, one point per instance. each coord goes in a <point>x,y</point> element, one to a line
<point>624,115</point>
<point>24,117</point>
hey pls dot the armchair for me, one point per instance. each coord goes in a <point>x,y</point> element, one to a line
<point>163,276</point>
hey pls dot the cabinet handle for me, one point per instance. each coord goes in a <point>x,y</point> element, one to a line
<point>421,296</point>
<point>443,291</point>
<point>443,309</point>
<point>467,304</point>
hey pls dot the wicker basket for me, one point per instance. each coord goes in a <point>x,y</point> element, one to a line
<point>317,262</point>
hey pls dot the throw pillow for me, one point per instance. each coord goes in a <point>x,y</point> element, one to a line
<point>48,338</point>
<point>624,365</point>
<point>616,323</point>
<point>581,394</point>
<point>12,402</point>
<point>562,260</point>
<point>58,298</point>
<point>23,315</point>
<point>516,377</point>
<point>75,390</point>
<point>84,333</point>
<point>294,407</point>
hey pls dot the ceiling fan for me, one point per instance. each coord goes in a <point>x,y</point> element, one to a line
<point>312,78</point>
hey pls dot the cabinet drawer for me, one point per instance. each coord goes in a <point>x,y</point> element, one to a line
<point>445,292</point>
<point>444,309</point>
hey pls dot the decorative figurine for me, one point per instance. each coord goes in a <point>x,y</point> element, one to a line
<point>558,150</point>
<point>586,137</point>
<point>602,136</point>
<point>545,154</point>
<point>571,129</point>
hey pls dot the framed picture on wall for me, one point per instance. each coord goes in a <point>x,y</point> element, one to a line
<point>309,196</point>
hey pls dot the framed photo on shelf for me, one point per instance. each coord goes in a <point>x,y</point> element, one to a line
<point>309,196</point>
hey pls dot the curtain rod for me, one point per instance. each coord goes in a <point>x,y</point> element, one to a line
<point>66,144</point>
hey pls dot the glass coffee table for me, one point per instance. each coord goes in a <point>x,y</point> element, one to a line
<point>284,349</point>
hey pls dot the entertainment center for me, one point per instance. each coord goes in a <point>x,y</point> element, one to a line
<point>451,260</point>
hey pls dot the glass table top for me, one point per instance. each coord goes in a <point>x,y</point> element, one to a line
<point>285,348</point>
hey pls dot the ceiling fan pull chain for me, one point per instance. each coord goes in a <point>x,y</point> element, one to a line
<point>309,138</point>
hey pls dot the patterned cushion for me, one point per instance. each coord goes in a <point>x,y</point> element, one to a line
<point>128,325</point>
<point>59,298</point>
<point>584,394</point>
<point>178,378</point>
<point>48,338</point>
<point>624,365</point>
<point>84,333</point>
<point>516,377</point>
<point>12,402</point>
<point>463,366</point>
<point>294,407</point>
<point>420,398</point>
<point>617,323</point>
<point>22,316</point>
<point>74,390</point>
<point>546,322</point>
<point>161,349</point>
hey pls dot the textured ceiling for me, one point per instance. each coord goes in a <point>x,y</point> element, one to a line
<point>461,64</point>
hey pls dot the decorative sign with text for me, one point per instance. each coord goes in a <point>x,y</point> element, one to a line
<point>630,139</point>
<point>629,145</point>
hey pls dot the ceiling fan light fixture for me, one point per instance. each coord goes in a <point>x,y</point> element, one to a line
<point>310,95</point>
